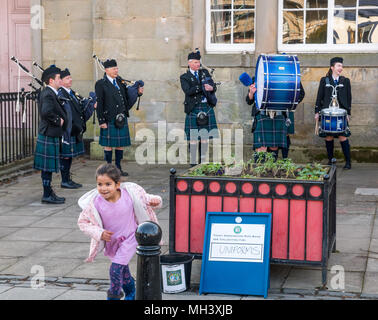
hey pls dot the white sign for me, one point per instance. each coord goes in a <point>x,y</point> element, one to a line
<point>237,242</point>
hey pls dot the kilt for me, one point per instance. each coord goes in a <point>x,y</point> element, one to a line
<point>114,137</point>
<point>270,132</point>
<point>73,149</point>
<point>291,128</point>
<point>46,155</point>
<point>191,121</point>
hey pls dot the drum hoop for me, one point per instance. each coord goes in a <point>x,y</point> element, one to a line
<point>267,79</point>
<point>296,80</point>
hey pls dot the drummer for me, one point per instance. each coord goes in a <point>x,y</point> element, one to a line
<point>270,128</point>
<point>344,97</point>
<point>291,126</point>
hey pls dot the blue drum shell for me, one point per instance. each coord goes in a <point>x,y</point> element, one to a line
<point>281,79</point>
<point>333,123</point>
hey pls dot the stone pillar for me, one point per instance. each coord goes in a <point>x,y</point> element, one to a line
<point>199,25</point>
<point>266,32</point>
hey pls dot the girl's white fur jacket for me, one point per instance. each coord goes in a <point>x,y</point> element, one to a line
<point>90,221</point>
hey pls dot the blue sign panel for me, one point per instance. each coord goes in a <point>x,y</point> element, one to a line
<point>236,253</point>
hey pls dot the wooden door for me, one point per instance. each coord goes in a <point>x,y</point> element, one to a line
<point>15,40</point>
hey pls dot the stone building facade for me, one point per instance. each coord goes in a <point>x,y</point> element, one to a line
<point>151,39</point>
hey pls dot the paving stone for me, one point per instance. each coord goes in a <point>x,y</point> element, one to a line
<point>82,295</point>
<point>52,267</point>
<point>370,284</point>
<point>31,294</point>
<point>20,248</point>
<point>37,234</point>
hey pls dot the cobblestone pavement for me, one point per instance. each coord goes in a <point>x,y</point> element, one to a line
<point>33,234</point>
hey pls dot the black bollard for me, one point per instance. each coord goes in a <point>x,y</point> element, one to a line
<point>148,283</point>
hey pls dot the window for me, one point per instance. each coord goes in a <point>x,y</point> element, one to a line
<point>328,25</point>
<point>230,25</point>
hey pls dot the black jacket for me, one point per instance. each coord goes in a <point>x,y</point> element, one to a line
<point>110,100</point>
<point>77,126</point>
<point>51,112</point>
<point>344,94</point>
<point>194,89</point>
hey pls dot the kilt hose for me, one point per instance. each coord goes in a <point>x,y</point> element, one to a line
<point>47,153</point>
<point>73,149</point>
<point>114,137</point>
<point>270,132</point>
<point>191,122</point>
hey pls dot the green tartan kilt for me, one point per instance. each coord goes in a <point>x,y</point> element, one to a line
<point>191,122</point>
<point>46,155</point>
<point>73,149</point>
<point>114,137</point>
<point>291,129</point>
<point>270,132</point>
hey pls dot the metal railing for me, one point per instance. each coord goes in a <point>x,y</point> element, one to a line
<point>18,126</point>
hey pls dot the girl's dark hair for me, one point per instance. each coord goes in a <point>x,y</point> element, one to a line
<point>329,73</point>
<point>110,170</point>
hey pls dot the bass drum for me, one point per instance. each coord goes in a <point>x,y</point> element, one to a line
<point>278,81</point>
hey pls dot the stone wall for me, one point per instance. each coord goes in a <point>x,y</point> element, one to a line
<point>151,40</point>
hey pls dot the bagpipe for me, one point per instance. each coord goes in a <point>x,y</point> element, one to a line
<point>87,104</point>
<point>131,86</point>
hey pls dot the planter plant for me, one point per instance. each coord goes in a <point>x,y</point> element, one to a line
<point>300,197</point>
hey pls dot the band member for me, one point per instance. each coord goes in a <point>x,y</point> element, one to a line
<point>270,133</point>
<point>291,127</point>
<point>53,122</point>
<point>113,107</point>
<point>200,121</point>
<point>344,97</point>
<point>78,113</point>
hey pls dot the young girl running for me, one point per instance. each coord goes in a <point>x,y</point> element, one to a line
<point>110,216</point>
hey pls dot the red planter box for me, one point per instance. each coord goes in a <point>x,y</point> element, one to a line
<point>303,214</point>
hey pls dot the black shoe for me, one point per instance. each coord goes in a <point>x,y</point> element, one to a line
<point>78,185</point>
<point>69,185</point>
<point>53,194</point>
<point>124,173</point>
<point>52,199</point>
<point>347,166</point>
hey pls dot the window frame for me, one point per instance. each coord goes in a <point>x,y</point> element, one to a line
<point>225,47</point>
<point>320,47</point>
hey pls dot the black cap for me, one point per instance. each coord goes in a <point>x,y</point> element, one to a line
<point>196,55</point>
<point>50,71</point>
<point>64,73</point>
<point>110,63</point>
<point>335,60</point>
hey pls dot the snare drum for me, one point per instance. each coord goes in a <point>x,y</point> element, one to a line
<point>278,81</point>
<point>333,120</point>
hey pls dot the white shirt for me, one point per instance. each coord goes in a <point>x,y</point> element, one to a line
<point>111,79</point>
<point>56,92</point>
<point>67,89</point>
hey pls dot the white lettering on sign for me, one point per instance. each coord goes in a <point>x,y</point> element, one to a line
<point>237,242</point>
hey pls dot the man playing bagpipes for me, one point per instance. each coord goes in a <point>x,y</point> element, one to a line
<point>114,100</point>
<point>78,111</point>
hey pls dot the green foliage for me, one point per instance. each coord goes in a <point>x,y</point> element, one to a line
<point>263,164</point>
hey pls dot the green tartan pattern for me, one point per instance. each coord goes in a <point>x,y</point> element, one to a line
<point>291,129</point>
<point>114,137</point>
<point>46,155</point>
<point>191,121</point>
<point>270,132</point>
<point>73,149</point>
